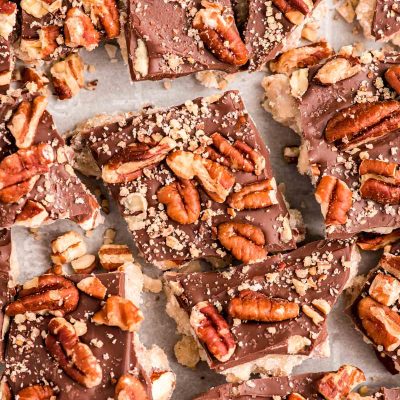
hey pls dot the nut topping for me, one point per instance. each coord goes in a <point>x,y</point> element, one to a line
<point>8,12</point>
<point>67,248</point>
<point>245,241</point>
<point>256,306</point>
<point>385,289</point>
<point>32,215</point>
<point>363,123</point>
<point>254,196</point>
<point>74,357</point>
<point>85,264</point>
<point>12,194</point>
<point>42,48</point>
<point>182,201</point>
<point>128,164</point>
<point>294,10</point>
<point>338,69</point>
<point>371,241</point>
<point>130,388</point>
<point>219,33</point>
<point>119,312</point>
<point>337,385</point>
<point>48,293</point>
<point>36,392</point>
<point>335,199</point>
<point>212,329</point>
<point>392,76</point>
<point>93,287</point>
<point>113,256</point>
<point>40,8</point>
<point>295,396</point>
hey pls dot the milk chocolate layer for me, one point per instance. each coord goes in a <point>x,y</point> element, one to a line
<point>385,22</point>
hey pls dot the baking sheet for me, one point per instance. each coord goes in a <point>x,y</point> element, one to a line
<point>115,93</point>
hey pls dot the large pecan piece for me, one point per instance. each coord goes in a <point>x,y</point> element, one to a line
<point>245,241</point>
<point>212,330</point>
<point>381,323</point>
<point>112,256</point>
<point>36,392</point>
<point>128,164</point>
<point>219,33</point>
<point>301,57</point>
<point>363,123</point>
<point>375,241</point>
<point>392,76</point>
<point>294,10</point>
<point>254,195</point>
<point>105,12</point>
<point>337,69</point>
<point>119,312</point>
<point>13,193</point>
<point>32,215</point>
<point>130,388</point>
<point>256,306</point>
<point>182,201</point>
<point>337,385</point>
<point>48,293</point>
<point>385,289</point>
<point>216,180</point>
<point>335,199</point>
<point>74,357</point>
<point>25,121</point>
<point>8,11</point>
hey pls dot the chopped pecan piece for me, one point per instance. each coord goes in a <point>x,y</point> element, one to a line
<point>130,388</point>
<point>315,317</point>
<point>105,12</point>
<point>36,392</point>
<point>254,195</point>
<point>385,289</point>
<point>25,121</point>
<point>32,215</point>
<point>48,293</point>
<point>373,241</point>
<point>301,57</point>
<point>335,199</point>
<point>67,247</point>
<point>216,180</point>
<point>256,306</point>
<point>219,33</point>
<point>182,200</point>
<point>73,356</point>
<point>337,385</point>
<point>8,12</point>
<point>363,123</point>
<point>14,193</point>
<point>79,30</point>
<point>40,8</point>
<point>113,256</point>
<point>119,312</point>
<point>30,75</point>
<point>294,10</point>
<point>392,76</point>
<point>127,165</point>
<point>381,323</point>
<point>93,287</point>
<point>338,69</point>
<point>245,241</point>
<point>85,264</point>
<point>212,329</point>
<point>42,48</point>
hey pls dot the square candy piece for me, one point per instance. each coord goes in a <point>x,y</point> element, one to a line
<point>192,181</point>
<point>266,317</point>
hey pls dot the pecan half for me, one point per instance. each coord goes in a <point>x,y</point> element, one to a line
<point>216,180</point>
<point>245,241</point>
<point>13,193</point>
<point>363,123</point>
<point>113,256</point>
<point>371,241</point>
<point>48,293</point>
<point>294,10</point>
<point>32,215</point>
<point>93,287</point>
<point>385,289</point>
<point>337,385</point>
<point>254,195</point>
<point>301,57</point>
<point>182,201</point>
<point>128,164</point>
<point>212,329</point>
<point>79,30</point>
<point>73,356</point>
<point>119,312</point>
<point>335,199</point>
<point>219,33</point>
<point>130,388</point>
<point>392,76</point>
<point>337,69</point>
<point>36,392</point>
<point>256,306</point>
<point>381,323</point>
<point>105,12</point>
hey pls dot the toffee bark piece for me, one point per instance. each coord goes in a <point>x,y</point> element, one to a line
<point>208,151</point>
<point>301,287</point>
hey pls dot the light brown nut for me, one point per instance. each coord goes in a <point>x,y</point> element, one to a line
<point>8,12</point>
<point>219,33</point>
<point>30,75</point>
<point>55,270</point>
<point>322,305</point>
<point>85,264</point>
<point>130,388</point>
<point>337,385</point>
<point>93,287</point>
<point>245,241</point>
<point>371,241</point>
<point>40,8</point>
<point>182,201</point>
<point>112,256</point>
<point>52,294</point>
<point>254,196</point>
<point>381,324</point>
<point>5,391</point>
<point>67,76</point>
<point>216,180</point>
<point>256,306</point>
<point>25,121</point>
<point>73,356</point>
<point>32,215</point>
<point>363,123</point>
<point>337,69</point>
<point>79,30</point>
<point>67,247</point>
<point>295,396</point>
<point>335,199</point>
<point>127,165</point>
<point>119,312</point>
<point>379,169</point>
<point>42,48</point>
<point>36,392</point>
<point>312,314</point>
<point>14,193</point>
<point>25,163</point>
<point>294,10</point>
<point>211,329</point>
<point>301,57</point>
<point>385,289</point>
<point>291,154</point>
<point>392,76</point>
